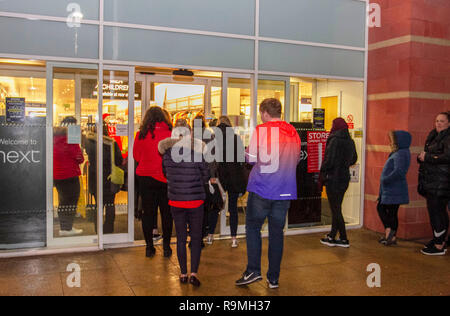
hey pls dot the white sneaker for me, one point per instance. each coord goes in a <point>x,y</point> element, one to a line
<point>69,233</point>
<point>209,240</point>
<point>234,243</point>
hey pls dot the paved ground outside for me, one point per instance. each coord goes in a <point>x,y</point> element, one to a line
<point>308,268</point>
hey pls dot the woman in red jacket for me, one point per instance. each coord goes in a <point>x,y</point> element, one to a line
<point>66,172</point>
<point>152,182</point>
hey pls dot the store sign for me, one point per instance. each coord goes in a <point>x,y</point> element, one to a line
<point>319,118</point>
<point>114,90</point>
<point>15,110</point>
<point>317,142</point>
<point>23,186</point>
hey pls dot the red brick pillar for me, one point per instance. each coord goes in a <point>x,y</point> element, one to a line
<point>408,85</point>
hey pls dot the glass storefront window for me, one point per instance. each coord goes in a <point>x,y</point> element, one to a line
<point>22,159</point>
<point>315,104</point>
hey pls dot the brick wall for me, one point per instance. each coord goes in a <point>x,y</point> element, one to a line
<point>408,84</point>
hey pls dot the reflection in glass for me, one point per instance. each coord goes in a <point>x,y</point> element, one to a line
<point>74,116</point>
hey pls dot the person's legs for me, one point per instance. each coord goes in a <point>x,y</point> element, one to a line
<point>68,195</point>
<point>150,206</point>
<point>166,217</point>
<point>213,217</point>
<point>383,214</point>
<point>277,222</point>
<point>195,227</point>
<point>233,210</point>
<point>257,211</point>
<point>110,213</point>
<point>180,218</point>
<point>336,198</point>
<point>437,209</point>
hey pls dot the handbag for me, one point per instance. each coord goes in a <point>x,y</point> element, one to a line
<point>117,175</point>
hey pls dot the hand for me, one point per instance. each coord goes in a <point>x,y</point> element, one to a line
<point>422,156</point>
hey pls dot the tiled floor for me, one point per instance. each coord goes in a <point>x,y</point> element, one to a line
<point>308,268</point>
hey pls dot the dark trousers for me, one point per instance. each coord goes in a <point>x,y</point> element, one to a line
<point>234,217</point>
<point>154,195</point>
<point>193,218</point>
<point>335,198</point>
<point>68,195</point>
<point>110,212</point>
<point>389,215</point>
<point>437,209</point>
<point>258,209</point>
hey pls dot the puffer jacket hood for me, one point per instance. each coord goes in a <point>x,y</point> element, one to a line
<point>403,139</point>
<point>186,142</point>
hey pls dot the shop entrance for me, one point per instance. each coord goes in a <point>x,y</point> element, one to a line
<point>188,96</point>
<point>87,206</point>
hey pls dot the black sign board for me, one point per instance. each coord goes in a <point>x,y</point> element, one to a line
<point>308,208</point>
<point>23,184</point>
<point>319,118</point>
<point>15,110</point>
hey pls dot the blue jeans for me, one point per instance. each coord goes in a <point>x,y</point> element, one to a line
<point>258,209</point>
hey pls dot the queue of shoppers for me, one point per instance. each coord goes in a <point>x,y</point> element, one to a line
<point>174,177</point>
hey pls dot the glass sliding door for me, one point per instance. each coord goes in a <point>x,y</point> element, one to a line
<point>238,104</point>
<point>121,105</point>
<point>72,113</point>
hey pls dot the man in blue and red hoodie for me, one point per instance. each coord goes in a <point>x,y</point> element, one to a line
<point>275,153</point>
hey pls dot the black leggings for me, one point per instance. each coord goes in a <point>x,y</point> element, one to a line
<point>389,215</point>
<point>154,195</point>
<point>335,198</point>
<point>437,209</point>
<point>193,217</point>
<point>68,195</point>
<point>110,212</point>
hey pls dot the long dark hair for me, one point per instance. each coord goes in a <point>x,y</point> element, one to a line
<point>153,116</point>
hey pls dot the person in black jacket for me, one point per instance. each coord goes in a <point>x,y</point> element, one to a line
<point>340,154</point>
<point>109,192</point>
<point>231,176</point>
<point>434,182</point>
<point>187,176</point>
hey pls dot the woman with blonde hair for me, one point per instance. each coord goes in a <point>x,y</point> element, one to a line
<point>231,177</point>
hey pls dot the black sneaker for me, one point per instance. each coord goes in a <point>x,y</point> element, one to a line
<point>342,243</point>
<point>157,237</point>
<point>430,244</point>
<point>248,278</point>
<point>328,241</point>
<point>433,251</point>
<point>273,285</point>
